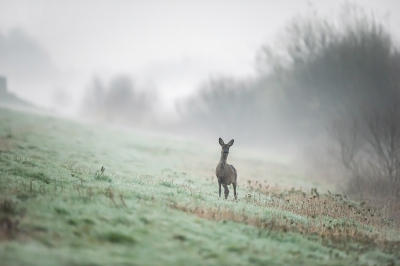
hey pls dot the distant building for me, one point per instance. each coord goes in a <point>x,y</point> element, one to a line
<point>9,99</point>
<point>3,85</point>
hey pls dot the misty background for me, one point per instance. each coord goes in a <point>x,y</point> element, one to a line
<point>314,81</point>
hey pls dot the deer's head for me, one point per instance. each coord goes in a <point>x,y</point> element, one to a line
<point>225,147</point>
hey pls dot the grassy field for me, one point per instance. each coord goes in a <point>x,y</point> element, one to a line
<point>156,203</point>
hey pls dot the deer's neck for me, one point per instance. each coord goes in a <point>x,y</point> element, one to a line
<point>222,160</point>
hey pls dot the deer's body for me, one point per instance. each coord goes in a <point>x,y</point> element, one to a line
<point>226,173</point>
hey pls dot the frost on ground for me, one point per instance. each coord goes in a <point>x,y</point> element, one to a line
<point>86,194</point>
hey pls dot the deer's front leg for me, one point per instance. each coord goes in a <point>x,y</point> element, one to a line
<point>219,183</point>
<point>226,191</point>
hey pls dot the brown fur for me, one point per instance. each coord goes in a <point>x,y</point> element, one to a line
<point>226,173</point>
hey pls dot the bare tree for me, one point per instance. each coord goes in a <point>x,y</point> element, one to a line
<point>119,102</point>
<point>368,147</point>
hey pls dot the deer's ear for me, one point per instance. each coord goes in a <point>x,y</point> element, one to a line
<point>221,142</point>
<point>230,143</point>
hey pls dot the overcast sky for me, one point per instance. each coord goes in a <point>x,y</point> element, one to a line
<point>170,46</point>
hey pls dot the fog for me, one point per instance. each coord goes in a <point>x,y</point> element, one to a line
<point>281,77</point>
<point>172,47</point>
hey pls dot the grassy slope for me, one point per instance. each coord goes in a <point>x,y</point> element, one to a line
<point>11,100</point>
<point>71,214</point>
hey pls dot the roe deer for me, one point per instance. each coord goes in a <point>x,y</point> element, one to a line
<point>226,173</point>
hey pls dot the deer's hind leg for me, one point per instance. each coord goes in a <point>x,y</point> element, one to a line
<point>234,189</point>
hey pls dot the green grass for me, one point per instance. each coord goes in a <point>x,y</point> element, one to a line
<point>155,204</point>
